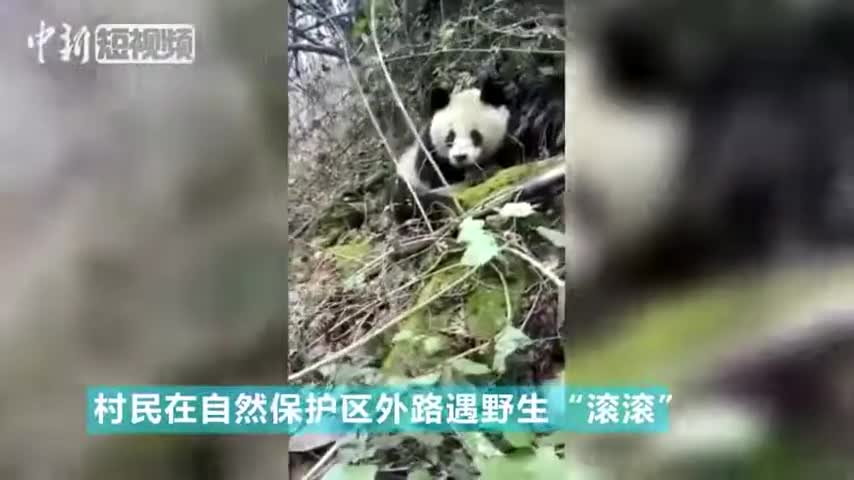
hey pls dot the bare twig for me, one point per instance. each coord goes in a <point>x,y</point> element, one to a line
<point>537,265</point>
<point>379,331</point>
<point>385,141</point>
<point>507,303</point>
<point>399,101</point>
<point>474,50</point>
<point>464,354</point>
<point>321,464</point>
<point>533,306</point>
<point>319,49</point>
<point>326,19</point>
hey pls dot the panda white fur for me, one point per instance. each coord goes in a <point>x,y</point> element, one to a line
<point>474,131</point>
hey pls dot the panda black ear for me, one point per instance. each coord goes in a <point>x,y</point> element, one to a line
<point>642,57</point>
<point>492,93</point>
<point>439,99</point>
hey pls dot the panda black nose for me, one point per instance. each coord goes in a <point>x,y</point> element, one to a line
<point>461,158</point>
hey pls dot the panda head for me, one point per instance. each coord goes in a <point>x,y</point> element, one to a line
<point>628,137</point>
<point>679,107</point>
<point>469,126</point>
<point>689,128</point>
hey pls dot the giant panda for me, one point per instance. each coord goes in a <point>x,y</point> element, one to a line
<point>703,138</point>
<point>714,142</point>
<point>474,131</point>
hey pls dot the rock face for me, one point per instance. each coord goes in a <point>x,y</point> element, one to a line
<point>142,237</point>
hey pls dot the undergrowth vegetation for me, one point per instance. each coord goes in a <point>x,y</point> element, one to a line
<point>373,302</point>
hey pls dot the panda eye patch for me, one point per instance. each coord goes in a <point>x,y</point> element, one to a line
<point>449,139</point>
<point>476,138</point>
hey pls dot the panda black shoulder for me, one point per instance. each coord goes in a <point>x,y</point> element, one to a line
<point>537,116</point>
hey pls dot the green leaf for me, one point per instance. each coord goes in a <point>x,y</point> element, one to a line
<point>516,210</point>
<point>485,310</point>
<point>351,472</point>
<point>419,475</point>
<point>520,439</point>
<point>470,230</point>
<point>396,380</point>
<point>555,237</point>
<point>553,440</point>
<point>346,373</point>
<point>386,442</point>
<point>468,367</point>
<point>481,246</point>
<point>547,464</point>
<point>508,340</point>
<point>428,379</point>
<point>541,464</point>
<point>403,336</point>
<point>479,446</point>
<point>428,439</point>
<point>355,449</point>
<point>578,470</point>
<point>434,344</point>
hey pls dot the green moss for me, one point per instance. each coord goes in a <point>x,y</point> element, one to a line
<point>783,456</point>
<point>670,334</point>
<point>661,333</point>
<point>408,357</point>
<point>486,307</point>
<point>349,257</point>
<point>472,196</point>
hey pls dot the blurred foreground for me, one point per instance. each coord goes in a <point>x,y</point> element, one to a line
<point>714,253</point>
<point>141,236</point>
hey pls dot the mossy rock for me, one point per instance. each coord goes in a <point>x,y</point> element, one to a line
<point>670,339</point>
<point>484,310</point>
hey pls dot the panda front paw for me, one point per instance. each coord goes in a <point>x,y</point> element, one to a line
<point>478,175</point>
